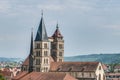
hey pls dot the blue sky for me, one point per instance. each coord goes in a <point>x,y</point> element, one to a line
<point>88,26</point>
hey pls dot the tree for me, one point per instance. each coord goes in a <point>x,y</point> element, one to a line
<point>112,66</point>
<point>1,77</point>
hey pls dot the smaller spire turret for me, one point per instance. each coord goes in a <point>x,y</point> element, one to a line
<point>57,33</point>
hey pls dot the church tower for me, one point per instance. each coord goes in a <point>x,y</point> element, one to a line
<point>57,46</point>
<point>41,49</point>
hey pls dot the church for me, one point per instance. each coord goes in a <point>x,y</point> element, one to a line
<point>46,60</point>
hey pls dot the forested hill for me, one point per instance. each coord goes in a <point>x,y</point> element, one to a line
<point>104,58</point>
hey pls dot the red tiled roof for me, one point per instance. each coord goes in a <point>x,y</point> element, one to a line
<point>57,33</point>
<point>112,74</point>
<point>26,62</point>
<point>47,76</point>
<point>104,66</point>
<point>5,73</point>
<point>73,66</point>
<point>51,59</point>
<point>20,75</point>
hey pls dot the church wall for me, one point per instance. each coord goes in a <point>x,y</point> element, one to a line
<point>100,72</point>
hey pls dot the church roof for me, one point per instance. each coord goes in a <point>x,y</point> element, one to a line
<point>20,75</point>
<point>57,33</point>
<point>46,76</point>
<point>41,32</point>
<point>26,62</point>
<point>73,66</point>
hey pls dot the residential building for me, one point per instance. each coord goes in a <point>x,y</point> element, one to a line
<point>112,76</point>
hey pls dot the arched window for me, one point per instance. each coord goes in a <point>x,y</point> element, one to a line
<point>45,53</point>
<point>45,45</point>
<point>60,60</point>
<point>60,53</point>
<point>60,46</point>
<point>38,45</point>
<point>38,61</point>
<point>46,61</point>
<point>38,53</point>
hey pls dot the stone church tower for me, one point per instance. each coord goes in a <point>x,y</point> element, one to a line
<point>41,49</point>
<point>57,46</point>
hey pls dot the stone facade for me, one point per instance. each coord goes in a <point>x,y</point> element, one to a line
<point>48,56</point>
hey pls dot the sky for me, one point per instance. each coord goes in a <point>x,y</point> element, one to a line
<point>88,26</point>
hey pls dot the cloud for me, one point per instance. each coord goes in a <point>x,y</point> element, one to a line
<point>113,26</point>
<point>4,6</point>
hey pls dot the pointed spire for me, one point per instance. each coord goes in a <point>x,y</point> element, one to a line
<point>31,46</point>
<point>57,26</point>
<point>42,13</point>
<point>31,53</point>
<point>57,33</point>
<point>41,32</point>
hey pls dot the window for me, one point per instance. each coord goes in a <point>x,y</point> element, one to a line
<point>45,69</point>
<point>38,69</point>
<point>90,75</point>
<point>45,45</point>
<point>60,60</point>
<point>99,67</point>
<point>38,53</point>
<point>99,76</point>
<point>45,61</point>
<point>60,53</point>
<point>45,53</point>
<point>60,46</point>
<point>82,74</point>
<point>38,46</point>
<point>38,61</point>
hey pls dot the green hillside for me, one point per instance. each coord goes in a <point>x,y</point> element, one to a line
<point>104,58</point>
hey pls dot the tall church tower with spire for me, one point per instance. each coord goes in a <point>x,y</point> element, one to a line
<point>44,50</point>
<point>41,49</point>
<point>57,46</point>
